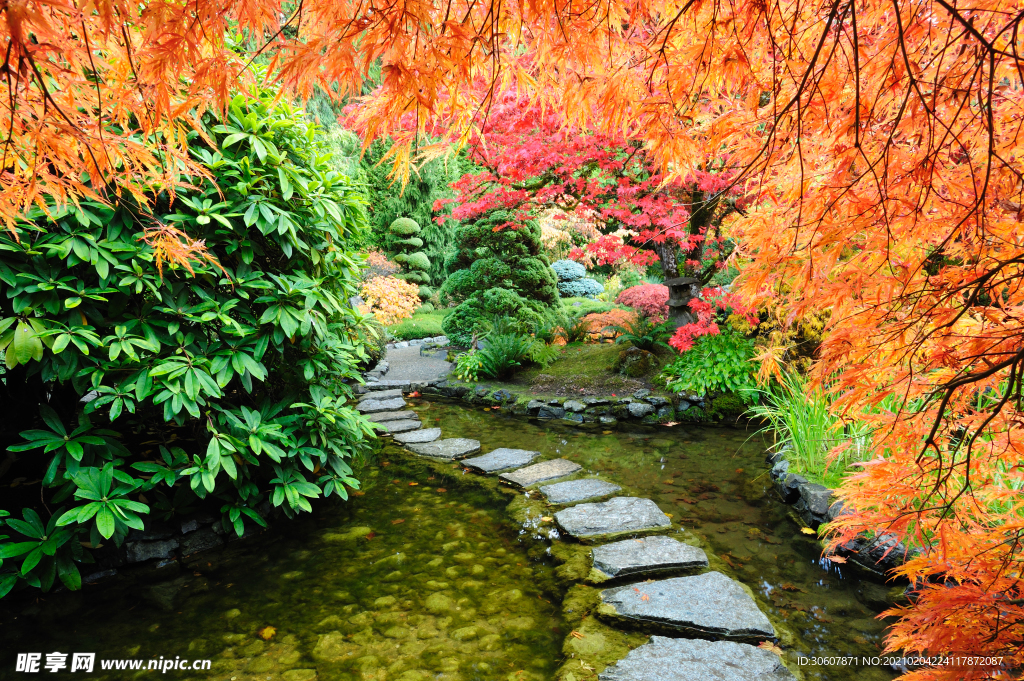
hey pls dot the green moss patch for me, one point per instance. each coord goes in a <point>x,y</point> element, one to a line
<point>592,645</point>
<point>420,325</point>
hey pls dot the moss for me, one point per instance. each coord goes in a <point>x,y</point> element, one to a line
<point>423,324</point>
<point>592,646</point>
<point>635,362</point>
<point>575,561</point>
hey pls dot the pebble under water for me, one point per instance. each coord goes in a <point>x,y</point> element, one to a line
<point>423,575</point>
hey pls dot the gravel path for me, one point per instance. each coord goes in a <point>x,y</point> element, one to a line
<point>406,364</point>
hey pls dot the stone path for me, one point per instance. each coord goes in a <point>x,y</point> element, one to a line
<point>711,618</point>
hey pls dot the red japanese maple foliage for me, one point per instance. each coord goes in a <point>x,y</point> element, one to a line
<point>534,158</point>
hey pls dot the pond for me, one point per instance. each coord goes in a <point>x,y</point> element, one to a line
<point>423,576</point>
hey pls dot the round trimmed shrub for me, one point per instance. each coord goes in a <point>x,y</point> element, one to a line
<point>415,261</point>
<point>581,288</point>
<point>426,292</point>
<point>425,307</point>
<point>418,261</point>
<point>404,227</point>
<point>568,270</point>
<point>414,242</point>
<point>460,323</point>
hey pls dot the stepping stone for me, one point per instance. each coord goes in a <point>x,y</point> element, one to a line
<point>679,659</point>
<point>541,472</point>
<point>571,491</point>
<point>389,384</point>
<point>501,459</point>
<point>404,426</point>
<point>381,395</point>
<point>450,449</point>
<point>621,514</point>
<point>710,605</point>
<point>647,555</point>
<point>385,416</point>
<point>419,436</point>
<point>374,406</point>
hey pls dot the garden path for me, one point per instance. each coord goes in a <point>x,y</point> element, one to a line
<point>711,619</point>
<point>406,364</point>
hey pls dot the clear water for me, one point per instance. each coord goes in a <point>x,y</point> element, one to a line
<point>430,580</point>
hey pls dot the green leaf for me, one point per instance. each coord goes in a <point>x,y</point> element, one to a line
<point>286,185</point>
<point>72,302</point>
<point>105,522</point>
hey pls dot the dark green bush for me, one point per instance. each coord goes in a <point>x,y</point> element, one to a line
<point>504,352</point>
<point>240,363</point>
<point>642,332</point>
<point>471,316</point>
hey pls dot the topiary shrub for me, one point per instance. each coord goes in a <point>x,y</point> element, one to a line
<point>581,288</point>
<point>425,292</point>
<point>464,321</point>
<point>509,259</point>
<point>415,261</point>
<point>650,299</point>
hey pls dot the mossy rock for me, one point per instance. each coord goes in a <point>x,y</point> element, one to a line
<point>634,362</point>
<point>404,227</point>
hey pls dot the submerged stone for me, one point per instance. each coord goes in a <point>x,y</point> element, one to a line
<point>419,436</point>
<point>385,416</point>
<point>450,449</point>
<point>404,426</point>
<point>501,459</point>
<point>647,555</point>
<point>577,490</point>
<point>541,472</point>
<point>374,406</point>
<point>621,514</point>
<point>674,659</point>
<point>707,605</point>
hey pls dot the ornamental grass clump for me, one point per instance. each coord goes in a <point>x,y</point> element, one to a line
<point>390,299</point>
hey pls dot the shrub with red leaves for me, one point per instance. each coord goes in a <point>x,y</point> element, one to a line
<point>649,299</point>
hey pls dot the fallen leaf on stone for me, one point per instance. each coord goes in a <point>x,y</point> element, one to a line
<point>414,393</point>
<point>266,633</point>
<point>837,559</point>
<point>770,647</point>
<point>371,536</point>
<point>669,515</point>
<point>398,520</point>
<point>397,482</point>
<point>807,530</point>
<point>671,423</point>
<point>385,463</point>
<point>576,634</point>
<point>442,490</point>
<point>546,519</point>
<point>413,484</point>
<point>670,481</point>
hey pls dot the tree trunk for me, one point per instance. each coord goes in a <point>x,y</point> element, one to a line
<point>667,255</point>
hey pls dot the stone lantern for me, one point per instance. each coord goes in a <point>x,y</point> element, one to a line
<point>681,291</point>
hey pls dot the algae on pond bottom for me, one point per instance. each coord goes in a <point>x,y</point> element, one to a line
<point>414,584</point>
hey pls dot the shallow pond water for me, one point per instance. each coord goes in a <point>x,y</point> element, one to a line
<point>423,576</point>
<point>714,482</point>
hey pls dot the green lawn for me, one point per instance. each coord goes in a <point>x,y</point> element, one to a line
<point>420,325</point>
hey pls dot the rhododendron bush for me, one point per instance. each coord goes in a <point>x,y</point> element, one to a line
<point>390,299</point>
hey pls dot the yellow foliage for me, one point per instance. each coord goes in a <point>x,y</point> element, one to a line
<point>390,299</point>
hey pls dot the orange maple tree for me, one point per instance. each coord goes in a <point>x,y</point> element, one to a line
<point>877,142</point>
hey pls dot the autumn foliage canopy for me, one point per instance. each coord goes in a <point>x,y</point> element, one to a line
<point>876,146</point>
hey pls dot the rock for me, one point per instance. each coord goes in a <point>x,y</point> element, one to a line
<point>141,551</point>
<point>779,469</point>
<point>674,659</point>
<point>389,384</point>
<point>299,675</point>
<point>386,416</point>
<point>438,603</point>
<point>550,412</point>
<point>450,449</point>
<point>501,459</point>
<point>638,410</point>
<point>200,540</point>
<point>813,503</point>
<point>788,487</point>
<point>502,395</point>
<point>646,556</point>
<point>642,393</point>
<point>577,490</point>
<point>574,406</point>
<point>608,420</point>
<point>419,436</point>
<point>402,344</point>
<point>658,401</point>
<point>541,472</point>
<point>403,426</point>
<point>707,605</point>
<point>382,395</point>
<point>621,514</point>
<point>533,405</point>
<point>595,401</point>
<point>666,412</point>
<point>835,510</point>
<point>373,406</point>
<point>333,647</point>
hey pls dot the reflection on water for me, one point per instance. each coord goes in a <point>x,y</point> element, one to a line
<point>411,582</point>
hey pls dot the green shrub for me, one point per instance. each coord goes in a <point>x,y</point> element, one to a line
<point>426,293</point>
<point>471,317</point>
<point>572,328</point>
<point>469,366</point>
<point>642,332</point>
<point>504,352</point>
<point>414,242</point>
<point>416,262</point>
<point>244,363</point>
<point>425,308</point>
<point>423,324</point>
<point>715,364</point>
<point>404,227</point>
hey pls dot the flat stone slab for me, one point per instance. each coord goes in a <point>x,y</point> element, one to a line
<point>385,416</point>
<point>419,436</point>
<point>374,406</point>
<point>450,449</point>
<point>571,491</point>
<point>381,395</point>
<point>647,555</point>
<point>389,384</point>
<point>501,459</point>
<point>541,472</point>
<point>708,605</point>
<point>621,514</point>
<point>403,426</point>
<point>680,659</point>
